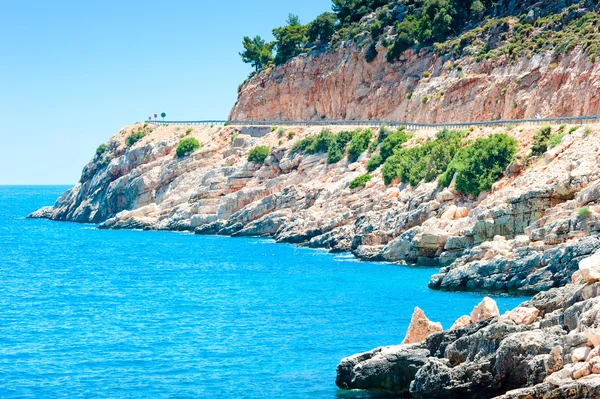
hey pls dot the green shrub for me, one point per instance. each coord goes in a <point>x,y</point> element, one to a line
<point>383,132</point>
<point>301,145</point>
<point>320,143</point>
<point>360,181</point>
<point>425,162</point>
<point>187,146</point>
<point>572,129</point>
<point>374,162</point>
<point>480,164</point>
<point>541,140</point>
<point>134,137</point>
<point>101,150</point>
<point>584,212</point>
<point>259,154</point>
<point>337,147</point>
<point>359,144</point>
<point>555,139</point>
<point>189,130</point>
<point>393,141</point>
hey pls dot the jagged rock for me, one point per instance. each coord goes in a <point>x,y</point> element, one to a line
<point>486,308</point>
<point>42,213</point>
<point>420,328</point>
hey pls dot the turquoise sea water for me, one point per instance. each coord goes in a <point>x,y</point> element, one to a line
<point>134,314</point>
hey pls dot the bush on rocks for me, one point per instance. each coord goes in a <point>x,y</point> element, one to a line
<point>135,136</point>
<point>360,181</point>
<point>187,146</point>
<point>480,164</point>
<point>359,144</point>
<point>373,163</point>
<point>392,141</point>
<point>259,154</point>
<point>425,162</point>
<point>541,140</point>
<point>101,150</point>
<point>337,147</point>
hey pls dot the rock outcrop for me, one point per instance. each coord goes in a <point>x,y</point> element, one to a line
<point>420,328</point>
<point>548,347</point>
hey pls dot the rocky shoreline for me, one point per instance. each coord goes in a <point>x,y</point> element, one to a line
<point>527,235</point>
<point>548,347</point>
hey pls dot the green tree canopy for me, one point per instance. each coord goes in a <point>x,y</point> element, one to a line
<point>257,52</point>
<point>348,11</point>
<point>289,40</point>
<point>322,28</point>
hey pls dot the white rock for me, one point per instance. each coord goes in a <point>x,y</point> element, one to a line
<point>590,268</point>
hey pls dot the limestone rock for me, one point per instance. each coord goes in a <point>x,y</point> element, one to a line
<point>522,315</point>
<point>420,328</point>
<point>461,322</point>
<point>589,268</point>
<point>486,308</point>
<point>389,369</point>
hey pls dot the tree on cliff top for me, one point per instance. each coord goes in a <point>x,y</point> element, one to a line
<point>322,28</point>
<point>257,52</point>
<point>349,11</point>
<point>289,39</point>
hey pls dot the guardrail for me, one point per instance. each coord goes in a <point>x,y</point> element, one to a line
<point>573,120</point>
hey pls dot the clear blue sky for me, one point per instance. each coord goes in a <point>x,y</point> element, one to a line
<point>74,72</point>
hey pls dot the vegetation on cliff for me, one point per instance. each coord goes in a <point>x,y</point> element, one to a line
<point>187,146</point>
<point>476,165</point>
<point>135,136</point>
<point>459,28</point>
<point>259,154</point>
<point>336,145</point>
<point>360,181</point>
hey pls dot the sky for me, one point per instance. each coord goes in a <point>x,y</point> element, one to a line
<point>72,73</point>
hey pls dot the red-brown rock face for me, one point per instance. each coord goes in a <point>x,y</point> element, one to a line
<point>342,85</point>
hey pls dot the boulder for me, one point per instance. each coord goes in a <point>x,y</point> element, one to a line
<point>420,328</point>
<point>589,268</point>
<point>521,315</point>
<point>486,308</point>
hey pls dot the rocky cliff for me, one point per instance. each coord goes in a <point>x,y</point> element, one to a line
<point>519,59</point>
<point>341,84</point>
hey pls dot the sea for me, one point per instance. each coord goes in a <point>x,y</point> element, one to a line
<point>88,313</point>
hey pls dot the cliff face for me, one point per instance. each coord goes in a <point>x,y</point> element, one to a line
<point>341,84</point>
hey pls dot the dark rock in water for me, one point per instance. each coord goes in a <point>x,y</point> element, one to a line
<point>439,380</point>
<point>389,369</point>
